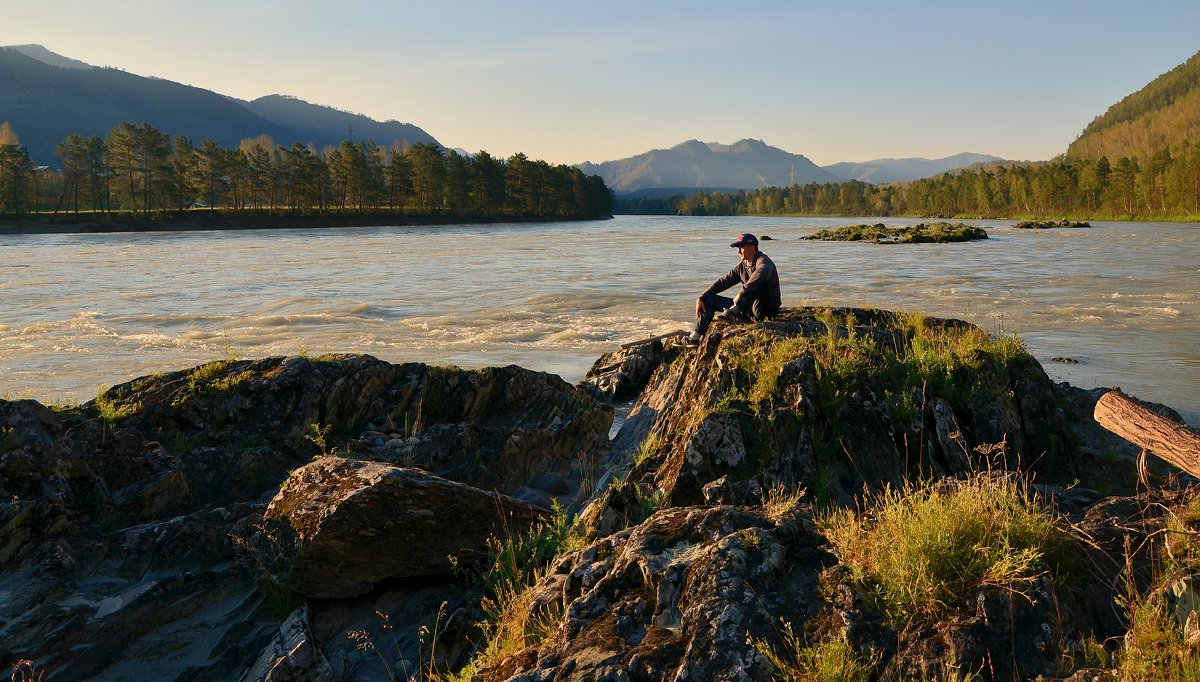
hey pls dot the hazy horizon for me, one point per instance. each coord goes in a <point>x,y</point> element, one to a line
<point>570,84</point>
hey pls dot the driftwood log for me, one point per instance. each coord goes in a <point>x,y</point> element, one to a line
<point>639,342</point>
<point>1171,441</point>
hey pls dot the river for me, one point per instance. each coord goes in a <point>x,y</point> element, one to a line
<point>81,312</point>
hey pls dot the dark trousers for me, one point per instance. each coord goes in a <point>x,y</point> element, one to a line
<point>751,305</point>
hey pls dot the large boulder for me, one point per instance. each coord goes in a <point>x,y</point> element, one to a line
<point>357,523</point>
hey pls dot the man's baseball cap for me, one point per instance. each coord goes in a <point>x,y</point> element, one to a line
<point>744,239</point>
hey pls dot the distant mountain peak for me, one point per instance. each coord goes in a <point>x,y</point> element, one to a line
<point>45,56</point>
<point>740,147</point>
<point>746,164</point>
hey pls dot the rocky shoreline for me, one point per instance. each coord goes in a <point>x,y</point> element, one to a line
<point>340,517</point>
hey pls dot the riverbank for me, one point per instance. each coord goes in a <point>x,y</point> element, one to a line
<point>492,505</point>
<point>195,220</point>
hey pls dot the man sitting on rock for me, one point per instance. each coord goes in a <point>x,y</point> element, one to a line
<point>758,299</point>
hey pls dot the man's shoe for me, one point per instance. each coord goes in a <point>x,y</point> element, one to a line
<point>731,314</point>
<point>692,340</point>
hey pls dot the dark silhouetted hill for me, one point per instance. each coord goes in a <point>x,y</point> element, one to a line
<point>46,102</point>
<point>323,123</point>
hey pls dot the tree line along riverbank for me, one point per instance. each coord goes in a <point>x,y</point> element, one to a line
<point>138,173</point>
<point>1165,186</point>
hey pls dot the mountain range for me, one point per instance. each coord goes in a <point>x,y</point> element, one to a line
<point>45,97</point>
<point>694,165</point>
<point>895,170</point>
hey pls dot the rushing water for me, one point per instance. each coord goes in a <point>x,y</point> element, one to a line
<point>82,312</point>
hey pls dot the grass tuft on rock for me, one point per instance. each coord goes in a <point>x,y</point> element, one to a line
<point>111,410</point>
<point>831,660</point>
<point>515,564</point>
<point>1163,641</point>
<point>915,352</point>
<point>1155,647</point>
<point>924,551</point>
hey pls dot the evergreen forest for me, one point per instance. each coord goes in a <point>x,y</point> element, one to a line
<point>139,171</point>
<point>1164,185</point>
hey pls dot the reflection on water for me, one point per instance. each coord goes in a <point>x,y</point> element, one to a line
<point>81,312</point>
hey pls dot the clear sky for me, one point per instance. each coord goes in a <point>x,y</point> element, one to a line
<point>570,81</point>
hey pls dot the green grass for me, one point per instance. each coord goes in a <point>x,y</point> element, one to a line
<point>1155,647</point>
<point>232,381</point>
<point>649,448</point>
<point>923,552</point>
<point>917,353</point>
<point>780,500</point>
<point>515,564</point>
<point>278,598</point>
<point>831,660</point>
<point>110,410</point>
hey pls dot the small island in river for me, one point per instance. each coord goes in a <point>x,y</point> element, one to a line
<point>1048,224</point>
<point>921,233</point>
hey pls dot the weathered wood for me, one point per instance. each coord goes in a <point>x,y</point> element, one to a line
<point>1173,442</point>
<point>631,344</point>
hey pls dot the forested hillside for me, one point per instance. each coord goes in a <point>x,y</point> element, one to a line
<point>1163,115</point>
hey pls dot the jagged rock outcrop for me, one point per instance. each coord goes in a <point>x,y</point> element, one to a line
<point>675,598</point>
<point>115,527</point>
<point>750,406</point>
<point>293,656</point>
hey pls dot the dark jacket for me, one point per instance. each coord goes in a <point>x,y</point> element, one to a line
<point>759,280</point>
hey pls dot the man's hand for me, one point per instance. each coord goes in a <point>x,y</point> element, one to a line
<point>699,307</point>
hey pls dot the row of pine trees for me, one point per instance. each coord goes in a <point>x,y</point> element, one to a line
<point>139,169</point>
<point>1163,186</point>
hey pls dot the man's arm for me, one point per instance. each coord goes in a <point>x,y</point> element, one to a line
<point>762,274</point>
<point>722,283</point>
